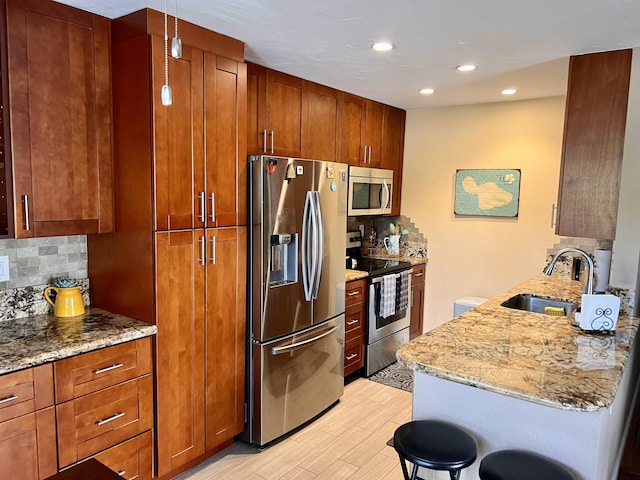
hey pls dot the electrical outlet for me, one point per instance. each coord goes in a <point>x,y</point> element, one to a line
<point>4,268</point>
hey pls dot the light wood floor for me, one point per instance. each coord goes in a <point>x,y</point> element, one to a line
<point>349,441</point>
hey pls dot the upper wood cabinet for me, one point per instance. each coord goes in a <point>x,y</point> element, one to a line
<point>59,96</point>
<point>393,121</point>
<point>323,122</point>
<point>361,132</point>
<point>277,105</point>
<point>594,132</point>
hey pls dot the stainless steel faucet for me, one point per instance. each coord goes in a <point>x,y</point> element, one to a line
<point>549,268</point>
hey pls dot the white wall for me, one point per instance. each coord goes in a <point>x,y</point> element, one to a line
<point>481,256</point>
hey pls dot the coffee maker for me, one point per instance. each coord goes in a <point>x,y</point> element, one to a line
<point>353,253</point>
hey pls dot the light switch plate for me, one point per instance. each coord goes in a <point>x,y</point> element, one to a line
<point>4,268</point>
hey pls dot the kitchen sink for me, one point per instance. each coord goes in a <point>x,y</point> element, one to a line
<point>535,304</point>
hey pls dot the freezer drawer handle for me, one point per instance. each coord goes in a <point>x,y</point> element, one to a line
<point>293,346</point>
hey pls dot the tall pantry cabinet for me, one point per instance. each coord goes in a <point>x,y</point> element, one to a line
<point>177,257</point>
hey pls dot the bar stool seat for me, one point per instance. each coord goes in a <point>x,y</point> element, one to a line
<point>521,465</point>
<point>89,469</point>
<point>434,445</point>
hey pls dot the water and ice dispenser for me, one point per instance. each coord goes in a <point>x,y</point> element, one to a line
<point>284,259</point>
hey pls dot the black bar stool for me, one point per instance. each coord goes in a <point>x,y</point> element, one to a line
<point>434,445</point>
<point>521,465</point>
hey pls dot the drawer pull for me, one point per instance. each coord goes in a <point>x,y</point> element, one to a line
<point>352,322</point>
<point>121,473</point>
<point>419,274</point>
<point>8,399</point>
<point>352,356</point>
<point>107,369</point>
<point>355,292</point>
<point>109,419</point>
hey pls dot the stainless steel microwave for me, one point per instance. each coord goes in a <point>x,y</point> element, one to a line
<point>369,191</point>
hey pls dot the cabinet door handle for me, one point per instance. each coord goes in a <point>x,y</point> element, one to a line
<point>213,250</point>
<point>110,419</point>
<point>25,201</point>
<point>8,399</point>
<point>213,207</point>
<point>272,141</point>
<point>352,322</point>
<point>202,215</point>
<point>109,368</point>
<point>264,141</point>
<point>351,357</point>
<point>122,472</point>
<point>364,154</point>
<point>369,154</point>
<point>419,274</point>
<point>355,292</point>
<point>203,254</point>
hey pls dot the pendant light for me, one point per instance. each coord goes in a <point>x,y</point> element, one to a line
<point>176,43</point>
<point>166,95</point>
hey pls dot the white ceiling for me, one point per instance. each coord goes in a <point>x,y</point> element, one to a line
<point>523,44</point>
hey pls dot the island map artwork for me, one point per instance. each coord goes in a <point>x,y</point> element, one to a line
<point>487,192</point>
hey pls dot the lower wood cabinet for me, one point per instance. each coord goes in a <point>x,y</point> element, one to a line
<point>27,424</point>
<point>354,325</point>
<point>132,459</point>
<point>417,301</point>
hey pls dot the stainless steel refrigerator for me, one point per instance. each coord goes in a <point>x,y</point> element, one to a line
<point>296,271</point>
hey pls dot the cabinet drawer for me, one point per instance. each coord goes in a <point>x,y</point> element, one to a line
<point>131,459</point>
<point>93,371</point>
<point>418,274</point>
<point>354,316</point>
<point>100,420</point>
<point>353,355</point>
<point>356,292</point>
<point>25,391</point>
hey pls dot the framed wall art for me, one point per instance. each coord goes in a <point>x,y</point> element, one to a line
<point>487,192</point>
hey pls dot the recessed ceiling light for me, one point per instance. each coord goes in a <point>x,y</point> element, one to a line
<point>508,91</point>
<point>466,68</point>
<point>382,46</point>
<point>427,91</point>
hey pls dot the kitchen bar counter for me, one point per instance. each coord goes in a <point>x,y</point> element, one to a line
<point>533,357</point>
<point>31,341</point>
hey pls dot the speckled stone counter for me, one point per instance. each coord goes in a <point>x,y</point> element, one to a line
<point>533,357</point>
<point>351,275</point>
<point>31,341</point>
<point>411,260</point>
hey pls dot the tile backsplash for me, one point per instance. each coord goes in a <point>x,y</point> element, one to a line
<point>37,261</point>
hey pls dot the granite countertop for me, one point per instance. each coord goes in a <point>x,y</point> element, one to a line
<point>30,341</point>
<point>534,357</point>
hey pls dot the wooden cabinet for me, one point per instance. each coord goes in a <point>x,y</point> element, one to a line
<point>323,123</point>
<point>200,314</point>
<point>27,424</point>
<point>59,99</point>
<point>355,325</point>
<point>103,398</point>
<point>277,106</point>
<point>132,459</point>
<point>361,132</point>
<point>594,132</point>
<point>417,301</point>
<point>393,151</point>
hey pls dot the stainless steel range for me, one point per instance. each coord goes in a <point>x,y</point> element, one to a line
<point>389,305</point>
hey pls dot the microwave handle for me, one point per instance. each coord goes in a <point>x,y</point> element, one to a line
<point>387,191</point>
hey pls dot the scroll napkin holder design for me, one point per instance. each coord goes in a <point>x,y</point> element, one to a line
<point>598,313</point>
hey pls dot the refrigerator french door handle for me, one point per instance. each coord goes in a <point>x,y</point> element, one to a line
<point>305,247</point>
<point>320,249</point>
<point>293,346</point>
<point>314,246</point>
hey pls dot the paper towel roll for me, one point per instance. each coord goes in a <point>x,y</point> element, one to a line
<point>602,268</point>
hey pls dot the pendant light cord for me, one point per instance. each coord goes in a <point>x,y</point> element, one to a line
<point>176,20</point>
<point>166,46</point>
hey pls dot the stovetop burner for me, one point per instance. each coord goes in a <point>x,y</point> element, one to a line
<point>377,266</point>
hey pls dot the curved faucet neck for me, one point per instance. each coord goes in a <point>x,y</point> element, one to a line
<point>549,268</point>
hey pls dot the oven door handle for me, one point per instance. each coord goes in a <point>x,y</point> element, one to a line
<point>294,346</point>
<point>397,275</point>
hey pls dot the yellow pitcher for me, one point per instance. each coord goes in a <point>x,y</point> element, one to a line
<point>68,303</point>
